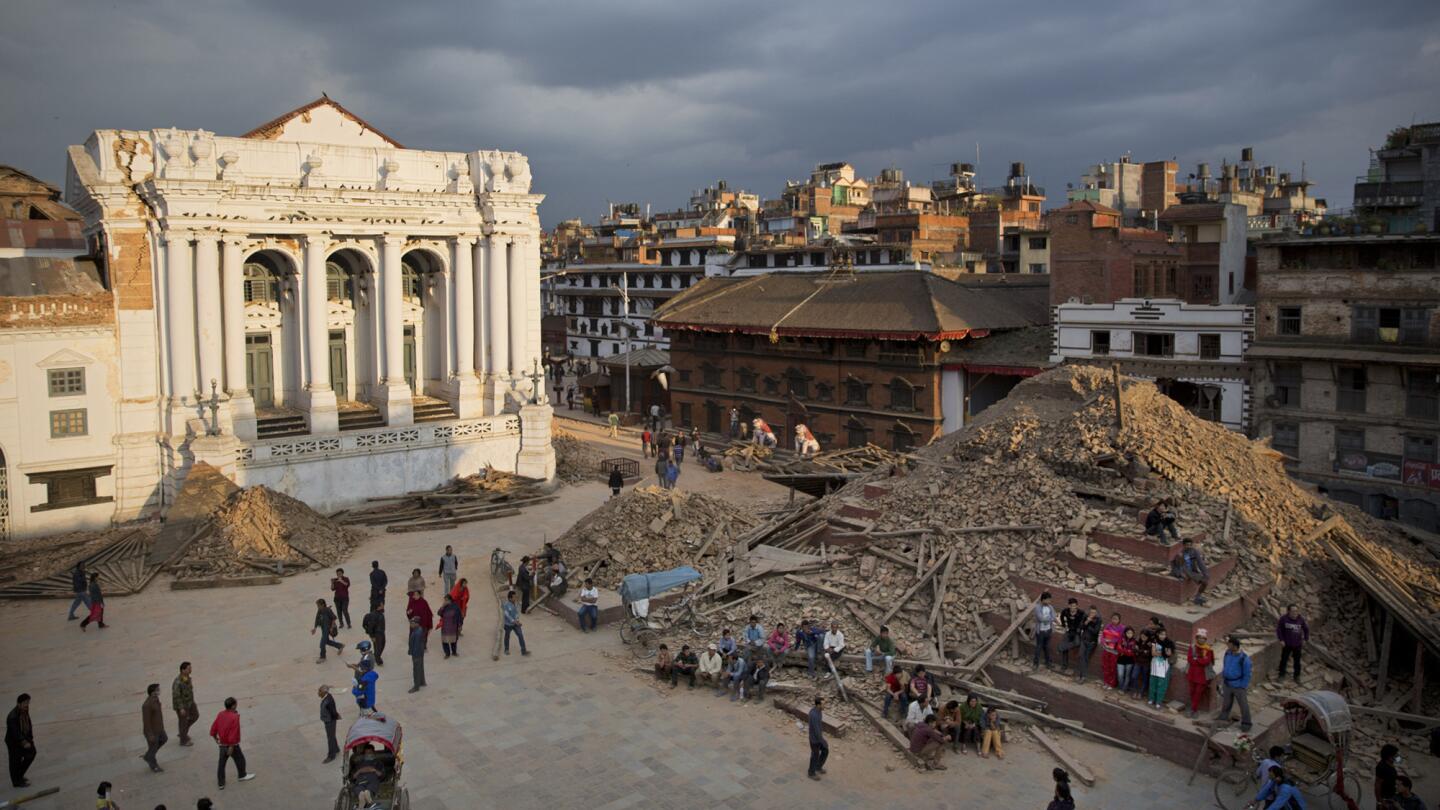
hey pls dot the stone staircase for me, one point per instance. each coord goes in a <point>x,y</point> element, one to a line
<point>360,416</point>
<point>279,424</point>
<point>430,409</point>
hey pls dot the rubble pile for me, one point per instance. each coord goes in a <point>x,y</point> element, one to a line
<point>649,529</point>
<point>261,529</point>
<point>483,496</point>
<point>576,461</point>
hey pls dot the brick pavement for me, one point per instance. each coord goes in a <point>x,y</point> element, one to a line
<point>568,726</point>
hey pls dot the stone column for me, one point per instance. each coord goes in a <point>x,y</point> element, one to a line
<point>536,458</point>
<point>324,415</point>
<point>180,325</point>
<point>466,401</point>
<point>232,283</point>
<point>519,311</point>
<point>208,323</point>
<point>498,314</point>
<point>482,316</point>
<point>394,397</point>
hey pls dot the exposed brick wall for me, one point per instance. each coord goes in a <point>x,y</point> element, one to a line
<point>129,265</point>
<point>1155,586</point>
<point>34,311</point>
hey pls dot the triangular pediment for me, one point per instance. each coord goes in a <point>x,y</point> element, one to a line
<point>65,358</point>
<point>324,121</point>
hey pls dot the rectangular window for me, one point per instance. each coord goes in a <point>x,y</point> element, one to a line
<point>902,395</point>
<point>685,414</point>
<point>857,436</point>
<point>1100,341</point>
<point>67,488</point>
<point>1414,326</point>
<point>1209,347</point>
<point>1142,281</point>
<point>1286,384</point>
<point>1037,243</point>
<point>1286,438</point>
<point>747,380</point>
<point>1288,321</point>
<point>855,393</point>
<point>1350,389</point>
<point>711,377</point>
<point>1349,440</point>
<point>66,382</point>
<point>1037,268</point>
<point>855,348</point>
<point>1155,344</point>
<point>685,375</point>
<point>1422,393</point>
<point>68,423</point>
<point>1420,448</point>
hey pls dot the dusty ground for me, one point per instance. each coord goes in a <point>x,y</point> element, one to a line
<point>565,727</point>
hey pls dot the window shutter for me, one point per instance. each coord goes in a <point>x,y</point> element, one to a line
<point>1414,325</point>
<point>1364,325</point>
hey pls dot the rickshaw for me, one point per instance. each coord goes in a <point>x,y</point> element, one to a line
<point>636,591</point>
<point>1319,725</point>
<point>372,761</point>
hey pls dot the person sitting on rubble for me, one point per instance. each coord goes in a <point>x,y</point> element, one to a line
<point>919,686</point>
<point>949,722</point>
<point>808,635</point>
<point>991,730</point>
<point>726,645</point>
<point>559,583</point>
<point>928,743</point>
<point>739,671</point>
<point>834,644</point>
<point>883,645</point>
<point>917,712</point>
<point>684,665</point>
<point>971,715</point>
<point>1160,520</point>
<point>760,677</point>
<point>663,662</point>
<point>711,665</point>
<point>895,686</point>
<point>754,634</point>
<point>778,644</point>
<point>1190,565</point>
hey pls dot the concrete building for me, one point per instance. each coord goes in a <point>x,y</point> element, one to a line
<point>1193,353</point>
<point>1136,190</point>
<point>313,307</point>
<point>1347,367</point>
<point>1402,186</point>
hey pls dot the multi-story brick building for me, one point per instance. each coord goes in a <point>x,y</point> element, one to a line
<point>1346,364</point>
<point>1402,186</point>
<point>883,357</point>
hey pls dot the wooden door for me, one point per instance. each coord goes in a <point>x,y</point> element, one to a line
<point>259,370</point>
<point>339,377</point>
<point>410,357</point>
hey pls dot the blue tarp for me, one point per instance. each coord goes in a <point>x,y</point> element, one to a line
<point>645,586</point>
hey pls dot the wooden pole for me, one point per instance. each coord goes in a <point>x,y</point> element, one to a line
<point>1119,407</point>
<point>1385,638</point>
<point>1419,679</point>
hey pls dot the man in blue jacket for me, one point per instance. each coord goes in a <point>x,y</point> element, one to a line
<point>1278,792</point>
<point>1235,683</point>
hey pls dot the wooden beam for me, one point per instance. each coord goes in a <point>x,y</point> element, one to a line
<point>1386,638</point>
<point>943,585</point>
<point>913,589</point>
<point>989,652</point>
<point>887,730</point>
<point>1418,680</point>
<point>1426,721</point>
<point>830,726</point>
<point>892,556</point>
<point>1071,764</point>
<point>865,621</point>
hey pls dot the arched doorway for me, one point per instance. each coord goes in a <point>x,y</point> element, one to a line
<point>352,324</point>
<point>424,332</point>
<point>272,345</point>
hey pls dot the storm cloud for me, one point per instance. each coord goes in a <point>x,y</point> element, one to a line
<point>646,100</point>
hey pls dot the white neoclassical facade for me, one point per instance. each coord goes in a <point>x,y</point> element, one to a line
<point>313,307</point>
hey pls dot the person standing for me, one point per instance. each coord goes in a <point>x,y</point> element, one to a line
<point>340,585</point>
<point>1162,654</point>
<point>511,613</point>
<point>182,700</point>
<point>655,417</point>
<point>449,568</point>
<point>614,421</point>
<point>1198,662</point>
<point>1387,775</point>
<point>523,581</point>
<point>103,800</point>
<point>680,447</point>
<point>1090,629</point>
<point>1125,661</point>
<point>416,583</point>
<point>329,717</point>
<point>20,740</point>
<point>1044,627</point>
<point>325,623</point>
<point>97,604</point>
<point>448,623</point>
<point>616,482</point>
<point>225,731</point>
<point>1071,618</point>
<point>378,581</point>
<point>647,445</point>
<point>461,594</point>
<point>819,749</point>
<point>589,606</point>
<point>374,626</point>
<point>1293,633</point>
<point>80,585</point>
<point>1235,683</point>
<point>662,470</point>
<point>417,655</point>
<point>419,610</point>
<point>734,423</point>
<point>152,720</point>
<point>1062,799</point>
<point>1110,652</point>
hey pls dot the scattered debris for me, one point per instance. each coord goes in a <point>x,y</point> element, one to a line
<point>576,461</point>
<point>259,528</point>
<point>484,496</point>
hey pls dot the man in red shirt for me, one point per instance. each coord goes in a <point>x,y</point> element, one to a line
<point>226,733</point>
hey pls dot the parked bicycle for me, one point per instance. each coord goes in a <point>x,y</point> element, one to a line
<point>501,567</point>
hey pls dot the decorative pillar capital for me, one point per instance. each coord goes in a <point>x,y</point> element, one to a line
<point>211,238</point>
<point>233,239</point>
<point>466,239</point>
<point>391,240</point>
<point>314,241</point>
<point>173,235</point>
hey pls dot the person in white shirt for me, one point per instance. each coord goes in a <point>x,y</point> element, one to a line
<point>834,643</point>
<point>711,665</point>
<point>589,605</point>
<point>916,714</point>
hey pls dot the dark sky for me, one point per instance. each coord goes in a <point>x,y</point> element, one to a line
<point>646,100</point>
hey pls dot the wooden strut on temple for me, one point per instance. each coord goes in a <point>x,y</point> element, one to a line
<point>989,652</point>
<point>913,589</point>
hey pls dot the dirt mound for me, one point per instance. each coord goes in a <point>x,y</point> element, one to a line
<point>259,528</point>
<point>651,529</point>
<point>576,462</point>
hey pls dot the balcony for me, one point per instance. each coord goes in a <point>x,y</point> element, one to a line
<point>1389,193</point>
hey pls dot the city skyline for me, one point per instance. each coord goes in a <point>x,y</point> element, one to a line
<point>644,102</point>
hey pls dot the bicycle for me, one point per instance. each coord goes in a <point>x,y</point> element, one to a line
<point>499,566</point>
<point>1235,788</point>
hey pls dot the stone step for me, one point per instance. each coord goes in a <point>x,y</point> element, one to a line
<point>274,427</point>
<point>361,419</point>
<point>1172,736</point>
<point>1149,580</point>
<point>1219,616</point>
<point>433,412</point>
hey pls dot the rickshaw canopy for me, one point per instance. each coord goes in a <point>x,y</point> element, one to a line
<point>1328,709</point>
<point>378,729</point>
<point>644,586</point>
